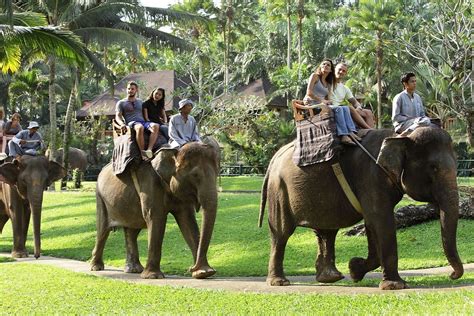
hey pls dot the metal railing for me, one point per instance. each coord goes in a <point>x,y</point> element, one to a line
<point>239,170</point>
<point>465,168</point>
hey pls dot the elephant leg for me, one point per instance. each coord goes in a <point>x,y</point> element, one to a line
<point>132,264</point>
<point>326,271</point>
<point>386,241</point>
<point>358,267</point>
<point>156,232</point>
<point>279,239</point>
<point>19,235</point>
<point>3,220</point>
<point>187,223</point>
<point>103,230</point>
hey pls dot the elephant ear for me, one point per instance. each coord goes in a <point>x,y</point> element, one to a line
<point>9,172</point>
<point>164,163</point>
<point>392,155</point>
<point>55,172</point>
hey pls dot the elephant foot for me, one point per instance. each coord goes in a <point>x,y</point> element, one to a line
<point>19,254</point>
<point>147,274</point>
<point>277,281</point>
<point>357,268</point>
<point>329,275</point>
<point>203,273</point>
<point>133,268</point>
<point>97,266</point>
<point>393,285</point>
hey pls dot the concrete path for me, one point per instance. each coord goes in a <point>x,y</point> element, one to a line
<point>300,284</point>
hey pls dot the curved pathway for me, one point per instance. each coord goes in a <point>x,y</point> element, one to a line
<point>300,284</point>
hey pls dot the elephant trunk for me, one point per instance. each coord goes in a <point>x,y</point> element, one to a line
<point>35,199</point>
<point>449,214</point>
<point>208,202</point>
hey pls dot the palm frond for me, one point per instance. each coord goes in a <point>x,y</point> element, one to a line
<point>48,40</point>
<point>99,67</point>
<point>107,36</point>
<point>163,16</point>
<point>159,38</point>
<point>24,19</point>
<point>104,14</point>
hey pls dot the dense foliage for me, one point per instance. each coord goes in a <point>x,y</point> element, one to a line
<point>223,47</point>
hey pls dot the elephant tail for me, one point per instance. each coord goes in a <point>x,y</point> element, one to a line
<point>263,199</point>
<point>3,220</point>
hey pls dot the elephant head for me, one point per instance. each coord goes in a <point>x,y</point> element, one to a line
<point>31,176</point>
<point>425,165</point>
<point>191,174</point>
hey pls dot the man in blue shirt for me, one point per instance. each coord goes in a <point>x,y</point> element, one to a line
<point>129,112</point>
<point>182,126</point>
<point>408,112</point>
<point>26,142</point>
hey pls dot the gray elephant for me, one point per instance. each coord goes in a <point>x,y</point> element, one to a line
<point>179,184</point>
<point>424,167</point>
<point>77,158</point>
<point>21,194</point>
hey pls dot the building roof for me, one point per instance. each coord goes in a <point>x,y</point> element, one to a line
<point>104,104</point>
<point>262,88</point>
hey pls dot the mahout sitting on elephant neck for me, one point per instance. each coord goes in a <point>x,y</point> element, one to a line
<point>310,196</point>
<point>163,186</point>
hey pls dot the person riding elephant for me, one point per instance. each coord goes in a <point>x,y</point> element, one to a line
<point>421,165</point>
<point>177,182</point>
<point>21,194</point>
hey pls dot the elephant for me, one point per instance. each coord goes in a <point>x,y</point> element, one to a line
<point>77,158</point>
<point>23,183</point>
<point>421,165</point>
<point>177,182</point>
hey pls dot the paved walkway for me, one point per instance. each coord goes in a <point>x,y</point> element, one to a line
<point>300,284</point>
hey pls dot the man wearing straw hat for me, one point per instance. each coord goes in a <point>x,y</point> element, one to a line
<point>26,142</point>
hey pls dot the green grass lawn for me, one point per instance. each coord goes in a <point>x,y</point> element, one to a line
<point>57,291</point>
<point>238,248</point>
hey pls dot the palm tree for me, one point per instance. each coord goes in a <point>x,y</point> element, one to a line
<point>27,35</point>
<point>370,32</point>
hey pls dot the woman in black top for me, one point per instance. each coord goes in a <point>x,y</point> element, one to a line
<point>154,110</point>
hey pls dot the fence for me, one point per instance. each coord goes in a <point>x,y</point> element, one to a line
<point>465,169</point>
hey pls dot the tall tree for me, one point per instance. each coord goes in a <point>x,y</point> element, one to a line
<point>371,33</point>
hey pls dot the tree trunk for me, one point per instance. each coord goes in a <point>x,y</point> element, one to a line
<point>288,33</point>
<point>5,81</point>
<point>52,110</point>
<point>67,128</point>
<point>379,53</point>
<point>300,40</point>
<point>470,127</point>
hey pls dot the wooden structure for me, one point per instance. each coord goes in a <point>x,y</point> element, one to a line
<point>4,139</point>
<point>302,112</point>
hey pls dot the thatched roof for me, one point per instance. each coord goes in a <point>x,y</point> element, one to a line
<point>104,104</point>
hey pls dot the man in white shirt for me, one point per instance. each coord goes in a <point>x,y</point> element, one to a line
<point>364,118</point>
<point>182,126</point>
<point>408,112</point>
